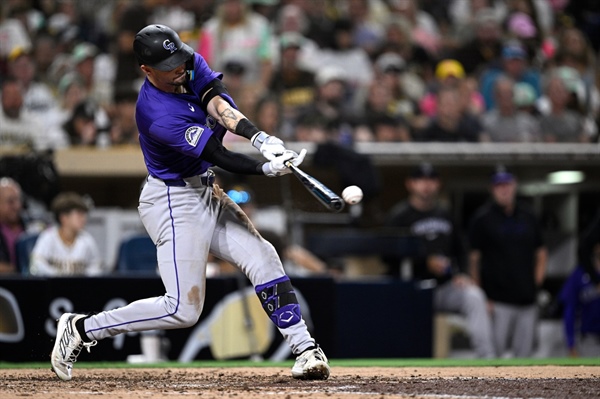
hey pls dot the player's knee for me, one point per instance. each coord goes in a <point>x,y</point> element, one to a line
<point>279,301</point>
<point>185,315</point>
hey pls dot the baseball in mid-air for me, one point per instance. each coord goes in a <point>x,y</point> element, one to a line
<point>352,195</point>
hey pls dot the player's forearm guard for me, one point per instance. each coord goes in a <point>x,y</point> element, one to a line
<point>246,129</point>
<point>280,302</point>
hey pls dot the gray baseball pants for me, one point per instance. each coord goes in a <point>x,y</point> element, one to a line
<point>514,324</point>
<point>186,223</point>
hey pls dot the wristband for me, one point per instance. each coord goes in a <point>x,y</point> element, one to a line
<point>246,129</point>
<point>258,139</point>
<point>266,169</point>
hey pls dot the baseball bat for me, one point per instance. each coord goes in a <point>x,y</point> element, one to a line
<point>320,191</point>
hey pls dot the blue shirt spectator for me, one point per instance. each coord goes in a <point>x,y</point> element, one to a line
<point>514,64</point>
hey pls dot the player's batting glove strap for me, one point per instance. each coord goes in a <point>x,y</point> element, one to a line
<point>269,146</point>
<point>277,166</point>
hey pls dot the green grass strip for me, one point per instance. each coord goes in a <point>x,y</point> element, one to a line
<point>333,362</point>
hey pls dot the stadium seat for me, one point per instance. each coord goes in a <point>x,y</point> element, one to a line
<point>137,254</point>
<point>24,247</point>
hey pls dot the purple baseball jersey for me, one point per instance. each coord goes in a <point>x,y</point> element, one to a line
<point>173,127</point>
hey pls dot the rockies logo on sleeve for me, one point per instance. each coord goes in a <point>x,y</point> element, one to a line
<point>193,134</point>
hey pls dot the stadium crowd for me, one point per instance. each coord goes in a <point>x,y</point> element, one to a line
<point>338,70</point>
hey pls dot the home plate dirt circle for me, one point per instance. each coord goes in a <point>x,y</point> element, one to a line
<point>539,382</point>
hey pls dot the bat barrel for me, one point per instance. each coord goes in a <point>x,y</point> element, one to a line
<point>321,192</point>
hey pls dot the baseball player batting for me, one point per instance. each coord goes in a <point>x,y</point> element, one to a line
<point>182,113</point>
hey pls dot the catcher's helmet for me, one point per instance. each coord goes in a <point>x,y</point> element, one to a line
<point>159,47</point>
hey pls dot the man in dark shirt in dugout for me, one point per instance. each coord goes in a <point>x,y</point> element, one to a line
<point>508,260</point>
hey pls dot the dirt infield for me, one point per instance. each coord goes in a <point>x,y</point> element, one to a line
<point>541,382</point>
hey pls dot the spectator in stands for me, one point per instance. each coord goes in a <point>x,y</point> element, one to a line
<point>450,73</point>
<point>579,15</point>
<point>314,17</point>
<point>13,32</point>
<point>12,223</point>
<point>381,117</point>
<point>331,107</point>
<point>15,130</point>
<point>347,56</point>
<point>574,50</point>
<point>561,124</point>
<point>95,71</point>
<point>70,93</point>
<point>66,249</point>
<point>584,98</point>
<point>291,83</point>
<point>368,18</point>
<point>505,122</point>
<point>466,16</point>
<point>521,26</point>
<point>471,98</point>
<point>67,20</point>
<point>236,33</point>
<point>130,20</point>
<point>266,8</point>
<point>44,53</point>
<point>485,48</point>
<point>386,128</point>
<point>405,84</point>
<point>124,129</point>
<point>507,260</point>
<point>88,126</point>
<point>525,99</point>
<point>515,65</point>
<point>398,39</point>
<point>38,99</point>
<point>424,29</point>
<point>314,129</point>
<point>405,88</point>
<point>534,22</point>
<point>180,15</point>
<point>581,300</point>
<point>451,123</point>
<point>19,127</point>
<point>443,255</point>
<point>292,18</point>
<point>572,82</point>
